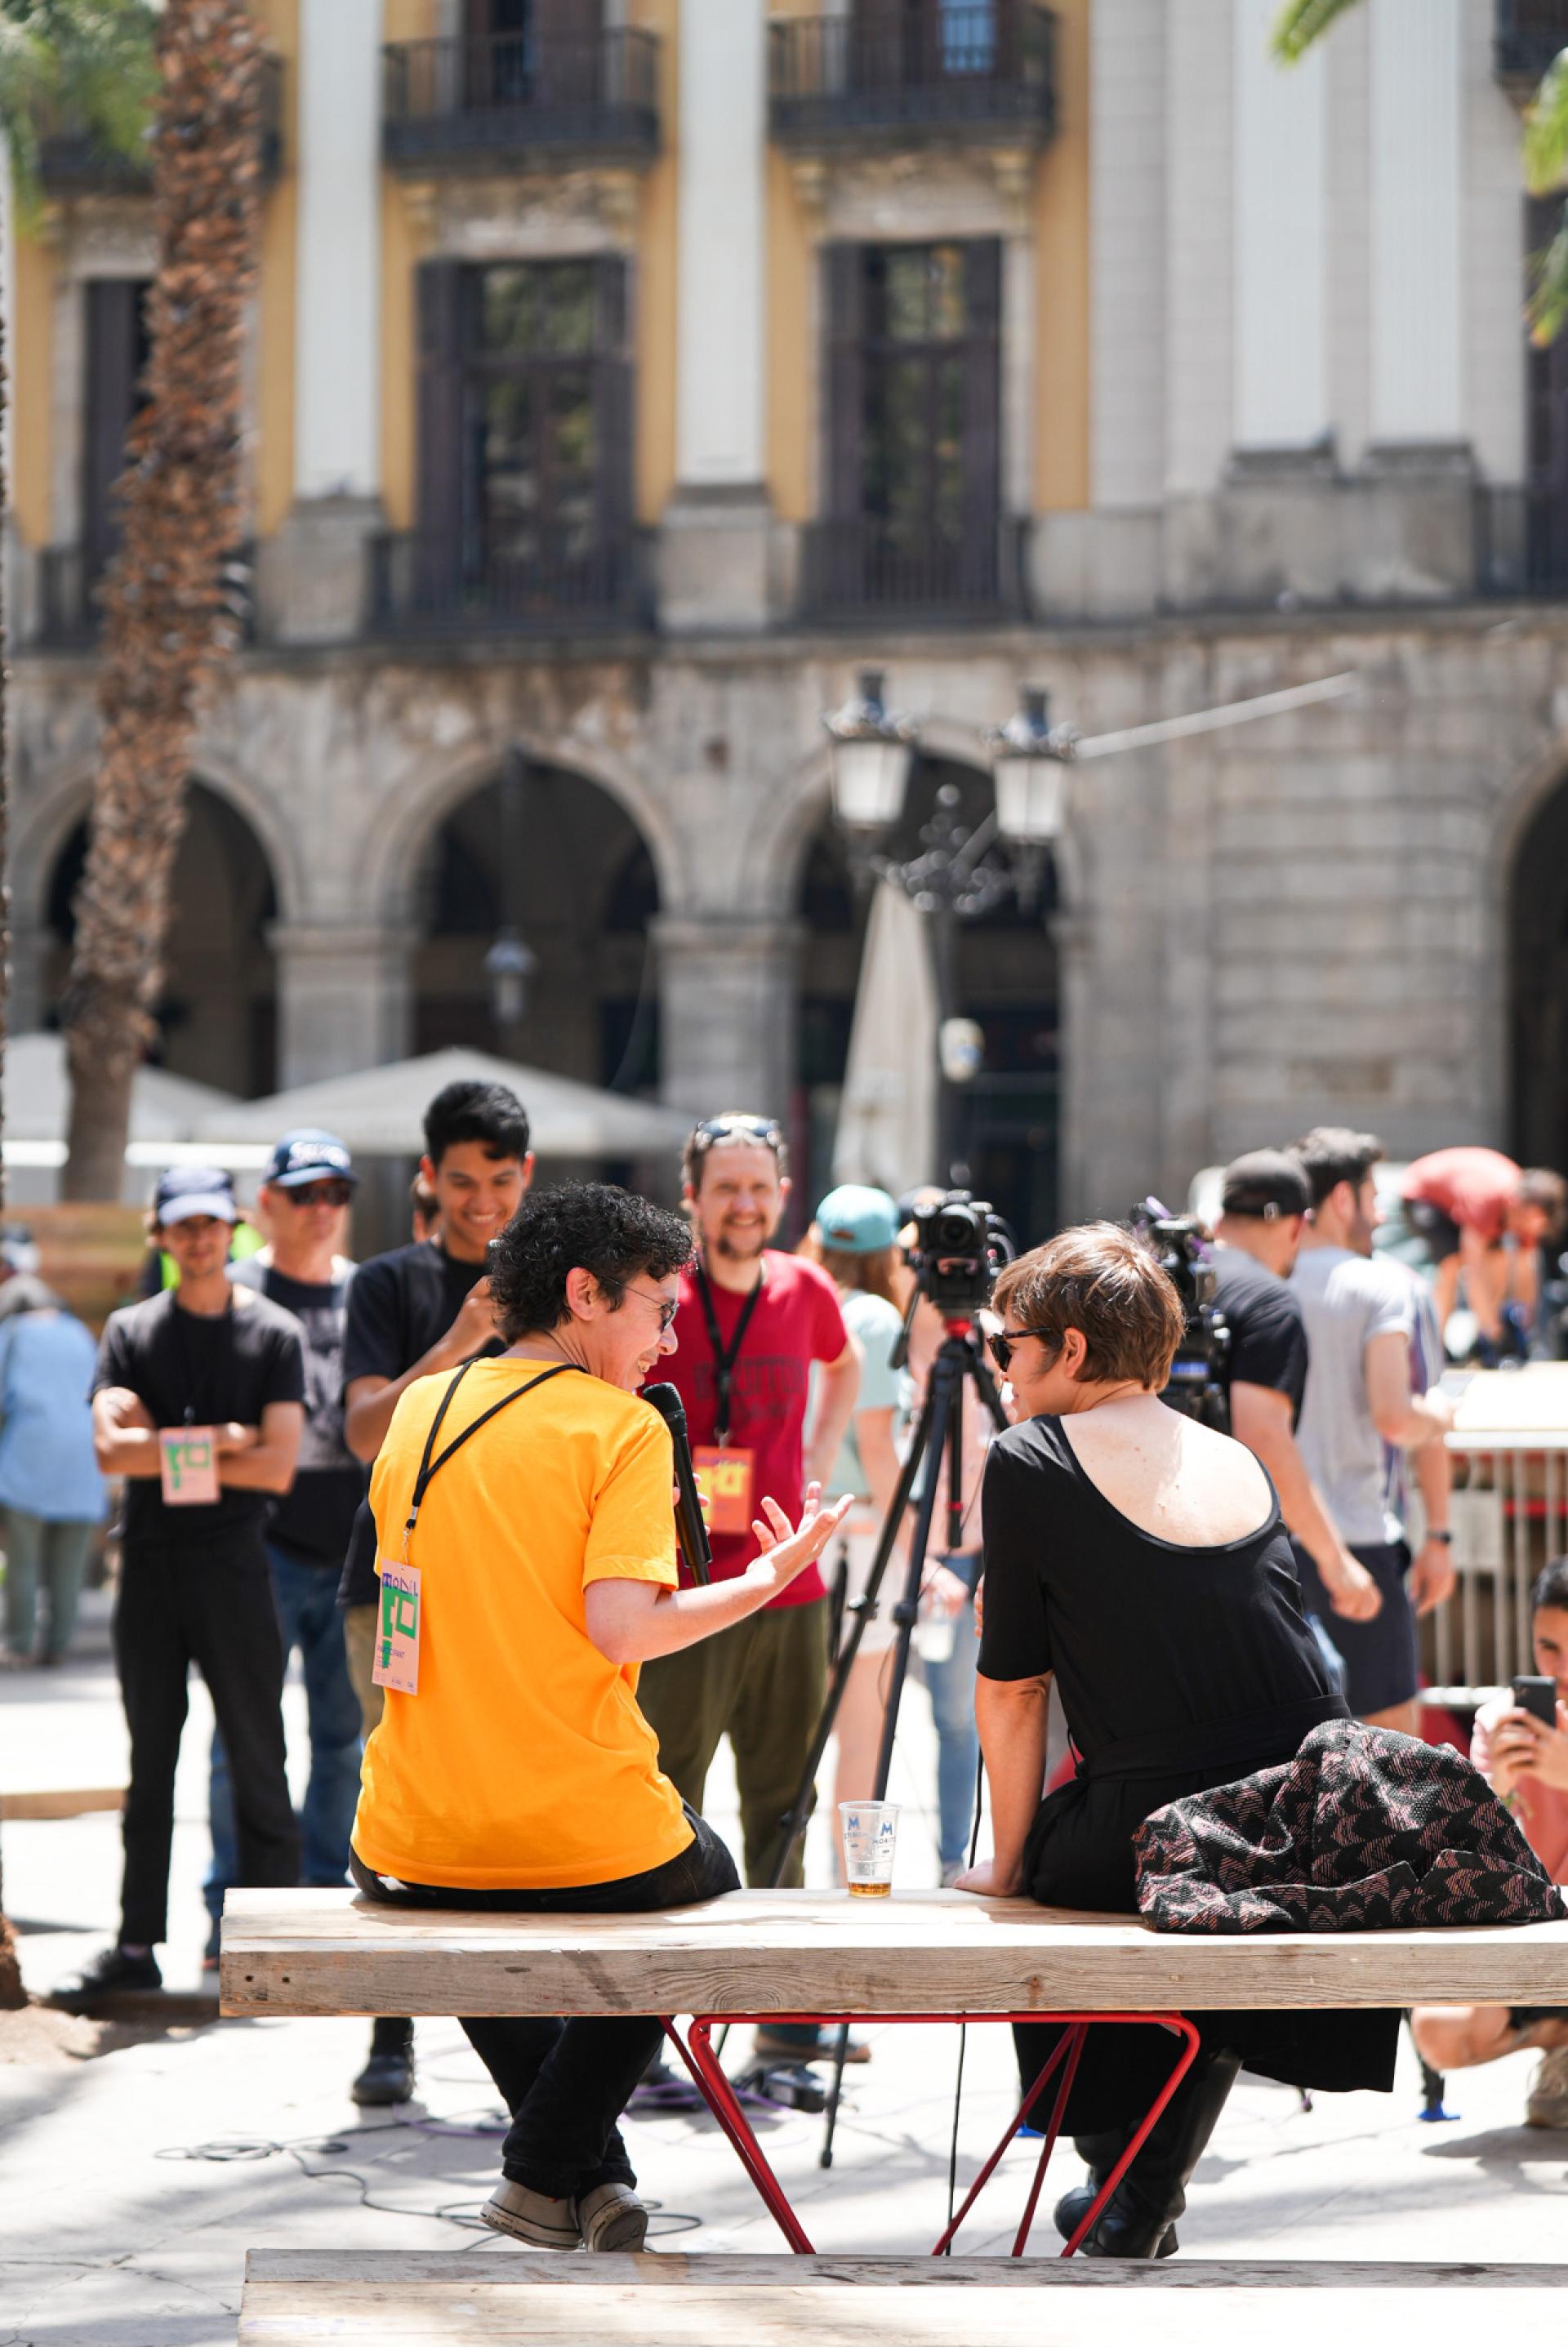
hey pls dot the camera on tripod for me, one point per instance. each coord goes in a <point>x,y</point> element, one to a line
<point>1180,1246</point>
<point>960,1245</point>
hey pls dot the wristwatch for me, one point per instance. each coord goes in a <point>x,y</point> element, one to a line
<point>1444,1539</point>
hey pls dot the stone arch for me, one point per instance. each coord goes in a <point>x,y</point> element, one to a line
<point>404,825</point>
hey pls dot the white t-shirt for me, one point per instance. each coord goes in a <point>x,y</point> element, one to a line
<point>1346,1300</point>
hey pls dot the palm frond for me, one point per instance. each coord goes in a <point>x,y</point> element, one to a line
<point>1546,131</point>
<point>1299,24</point>
<point>89,62</point>
<point>1547,306</point>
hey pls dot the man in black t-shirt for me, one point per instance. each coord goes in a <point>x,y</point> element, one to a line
<point>198,1403</point>
<point>411,1313</point>
<point>1263,1204</point>
<point>305,1199</point>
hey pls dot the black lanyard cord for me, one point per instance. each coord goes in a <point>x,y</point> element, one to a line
<point>725,1357</point>
<point>185,1344</point>
<point>430,1466</point>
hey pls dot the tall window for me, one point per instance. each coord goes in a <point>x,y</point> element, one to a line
<point>525,412</point>
<point>913,400</point>
<point>116,362</point>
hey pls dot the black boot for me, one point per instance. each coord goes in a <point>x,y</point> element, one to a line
<point>1153,2193</point>
<point>1100,2154</point>
<point>388,2076</point>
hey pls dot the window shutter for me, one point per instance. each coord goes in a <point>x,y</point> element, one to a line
<point>113,338</point>
<point>441,430</point>
<point>612,404</point>
<point>844,390</point>
<point>982,414</point>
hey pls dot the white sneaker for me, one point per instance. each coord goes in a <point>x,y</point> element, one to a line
<point>612,2217</point>
<point>1547,2105</point>
<point>532,2217</point>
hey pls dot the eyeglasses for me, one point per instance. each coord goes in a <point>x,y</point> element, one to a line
<point>1006,1341</point>
<point>320,1193</point>
<point>668,1306</point>
<point>764,1129</point>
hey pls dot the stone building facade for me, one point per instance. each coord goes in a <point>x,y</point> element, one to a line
<point>625,379</point>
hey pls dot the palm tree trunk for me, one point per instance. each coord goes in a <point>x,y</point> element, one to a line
<point>164,609</point>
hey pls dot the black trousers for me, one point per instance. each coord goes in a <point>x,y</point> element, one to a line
<point>566,2082</point>
<point>211,1604</point>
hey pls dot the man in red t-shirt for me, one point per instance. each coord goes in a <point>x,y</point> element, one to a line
<point>749,1325</point>
<point>1482,1218</point>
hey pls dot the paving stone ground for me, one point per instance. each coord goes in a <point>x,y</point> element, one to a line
<point>137,2168</point>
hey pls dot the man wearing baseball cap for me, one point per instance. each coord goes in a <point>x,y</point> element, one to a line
<point>303,1200</point>
<point>198,1403</point>
<point>1263,1206</point>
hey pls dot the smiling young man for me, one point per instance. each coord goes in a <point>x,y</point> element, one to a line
<point>524,1508</point>
<point>413,1313</point>
<point>199,1405</point>
<point>751,1322</point>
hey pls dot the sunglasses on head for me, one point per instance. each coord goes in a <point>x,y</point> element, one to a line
<point>1006,1342</point>
<point>764,1129</point>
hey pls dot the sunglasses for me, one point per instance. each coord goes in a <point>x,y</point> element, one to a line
<point>320,1193</point>
<point>1006,1342</point>
<point>668,1306</point>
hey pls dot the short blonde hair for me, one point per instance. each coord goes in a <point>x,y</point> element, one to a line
<point>1101,1280</point>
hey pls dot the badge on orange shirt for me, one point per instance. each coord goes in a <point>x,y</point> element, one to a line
<point>396,1663</point>
<point>724,1479</point>
<point>188,1463</point>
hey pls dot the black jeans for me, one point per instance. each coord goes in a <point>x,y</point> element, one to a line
<point>210,1605</point>
<point>566,2082</point>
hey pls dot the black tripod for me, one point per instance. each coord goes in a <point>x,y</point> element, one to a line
<point>939,1424</point>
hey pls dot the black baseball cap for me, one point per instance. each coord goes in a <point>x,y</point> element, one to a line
<point>309,1155</point>
<point>195,1190</point>
<point>1265,1183</point>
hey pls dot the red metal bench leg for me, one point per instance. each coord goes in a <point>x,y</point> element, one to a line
<point>716,2091</point>
<point>1068,2048</point>
<point>1058,2112</point>
<point>1187,2031</point>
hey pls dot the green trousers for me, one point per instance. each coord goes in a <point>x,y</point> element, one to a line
<point>762,1684</point>
<point>51,1556</point>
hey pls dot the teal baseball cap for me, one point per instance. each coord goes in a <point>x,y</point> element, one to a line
<point>856,1220</point>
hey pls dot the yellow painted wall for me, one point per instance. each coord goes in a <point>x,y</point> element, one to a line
<point>1062,411</point>
<point>655,280</point>
<point>274,462</point>
<point>791,327</point>
<point>29,361</point>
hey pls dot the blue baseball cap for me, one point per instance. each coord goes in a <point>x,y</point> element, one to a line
<point>195,1190</point>
<point>309,1155</point>
<point>855,1220</point>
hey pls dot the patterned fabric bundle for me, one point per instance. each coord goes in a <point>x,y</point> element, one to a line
<point>1364,1830</point>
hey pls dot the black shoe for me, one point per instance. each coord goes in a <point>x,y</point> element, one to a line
<point>112,1973</point>
<point>1100,2154</point>
<point>1153,2193</point>
<point>389,2076</point>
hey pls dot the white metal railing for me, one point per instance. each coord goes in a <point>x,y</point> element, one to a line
<point>1510,1516</point>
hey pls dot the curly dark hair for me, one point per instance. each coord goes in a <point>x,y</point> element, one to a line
<point>587,1226</point>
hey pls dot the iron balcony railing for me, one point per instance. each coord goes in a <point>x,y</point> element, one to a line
<point>71,162</point>
<point>930,71</point>
<point>868,567</point>
<point>424,583</point>
<point>507,96</point>
<point>1526,34</point>
<point>70,615</point>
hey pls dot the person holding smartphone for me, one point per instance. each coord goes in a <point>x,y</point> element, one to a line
<point>1520,1744</point>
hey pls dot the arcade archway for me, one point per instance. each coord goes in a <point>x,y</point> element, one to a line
<point>1006,981</point>
<point>555,859</point>
<point>216,1012</point>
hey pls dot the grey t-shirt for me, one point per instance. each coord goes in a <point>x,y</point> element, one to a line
<point>1346,1300</point>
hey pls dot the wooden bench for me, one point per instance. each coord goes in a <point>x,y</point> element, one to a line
<point>305,2299</point>
<point>62,1801</point>
<point>760,1955</point>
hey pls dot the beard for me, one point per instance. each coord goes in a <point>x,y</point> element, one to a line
<point>740,1250</point>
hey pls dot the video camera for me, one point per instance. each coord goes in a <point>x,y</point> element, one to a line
<point>1180,1246</point>
<point>960,1245</point>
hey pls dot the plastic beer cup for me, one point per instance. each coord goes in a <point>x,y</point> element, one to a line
<point>870,1837</point>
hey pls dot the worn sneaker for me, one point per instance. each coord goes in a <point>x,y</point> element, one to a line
<point>612,2217</point>
<point>1547,2105</point>
<point>534,2217</point>
<point>112,1973</point>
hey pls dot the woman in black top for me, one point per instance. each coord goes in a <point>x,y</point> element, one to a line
<point>1138,1558</point>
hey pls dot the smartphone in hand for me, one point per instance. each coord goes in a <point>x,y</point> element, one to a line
<point>1539,1697</point>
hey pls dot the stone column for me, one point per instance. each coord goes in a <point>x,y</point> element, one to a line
<point>30,944</point>
<point>316,575</point>
<point>727,994</point>
<point>344,999</point>
<point>717,531</point>
<point>1281,241</point>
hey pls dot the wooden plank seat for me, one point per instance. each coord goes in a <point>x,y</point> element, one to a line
<point>924,1951</point>
<point>306,2299</point>
<point>62,1801</point>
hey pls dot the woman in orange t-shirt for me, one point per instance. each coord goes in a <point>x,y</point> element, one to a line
<point>526,1544</point>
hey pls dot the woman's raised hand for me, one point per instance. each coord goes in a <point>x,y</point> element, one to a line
<point>787,1549</point>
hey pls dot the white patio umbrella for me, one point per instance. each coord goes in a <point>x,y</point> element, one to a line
<point>888,1116</point>
<point>377,1112</point>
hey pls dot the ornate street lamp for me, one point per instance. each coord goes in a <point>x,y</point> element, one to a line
<point>871,754</point>
<point>509,965</point>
